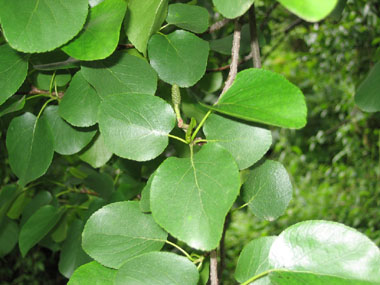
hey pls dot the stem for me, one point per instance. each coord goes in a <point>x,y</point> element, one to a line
<point>43,107</point>
<point>255,48</point>
<point>177,138</point>
<point>218,25</point>
<point>164,26</point>
<point>180,249</point>
<point>201,124</point>
<point>241,207</point>
<point>214,267</point>
<point>37,95</point>
<point>258,276</point>
<point>222,247</point>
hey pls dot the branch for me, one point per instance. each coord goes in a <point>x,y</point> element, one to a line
<point>218,25</point>
<point>255,48</point>
<point>35,91</point>
<point>222,247</point>
<point>214,268</point>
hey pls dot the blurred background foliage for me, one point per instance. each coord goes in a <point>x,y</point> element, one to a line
<point>333,161</point>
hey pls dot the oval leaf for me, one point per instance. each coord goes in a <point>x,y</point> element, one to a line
<point>67,139</point>
<point>158,268</point>
<point>37,227</point>
<point>268,190</point>
<point>93,273</point>
<point>96,154</point>
<point>323,252</point>
<point>246,143</point>
<point>190,197</point>
<point>188,17</point>
<point>143,19</point>
<point>8,236</point>
<point>368,96</point>
<point>232,9</point>
<point>41,25</point>
<point>30,146</point>
<point>179,58</point>
<point>136,126</point>
<point>120,231</point>
<point>263,96</point>
<point>253,260</point>
<point>310,10</point>
<point>80,104</point>
<point>13,70</point>
<point>41,199</point>
<point>121,73</point>
<point>100,34</point>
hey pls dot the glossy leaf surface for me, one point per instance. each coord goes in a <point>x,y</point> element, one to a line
<point>268,190</point>
<point>121,73</point>
<point>120,231</point>
<point>136,126</point>
<point>246,143</point>
<point>41,25</point>
<point>158,268</point>
<point>190,197</point>
<point>188,17</point>
<point>30,145</point>
<point>93,273</point>
<point>179,58</point>
<point>100,34</point>
<point>265,97</point>
<point>368,96</point>
<point>310,10</point>
<point>13,70</point>
<point>67,139</point>
<point>232,9</point>
<point>143,19</point>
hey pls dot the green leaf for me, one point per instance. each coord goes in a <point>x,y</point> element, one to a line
<point>13,70</point>
<point>72,255</point>
<point>30,146</point>
<point>38,226</point>
<point>67,139</point>
<point>101,183</point>
<point>323,252</point>
<point>80,104</point>
<point>232,9</point>
<point>93,273</point>
<point>13,104</point>
<point>268,190</point>
<point>100,34</point>
<point>367,96</point>
<point>42,80</point>
<point>136,126</point>
<point>253,260</point>
<point>41,25</point>
<point>119,232</point>
<point>263,96</point>
<point>145,195</point>
<point>41,199</point>
<point>246,143</point>
<point>188,17</point>
<point>179,58</point>
<point>8,236</point>
<point>143,19</point>
<point>121,73</point>
<point>310,10</point>
<point>8,195</point>
<point>190,197</point>
<point>158,268</point>
<point>211,82</point>
<point>18,206</point>
<point>96,153</point>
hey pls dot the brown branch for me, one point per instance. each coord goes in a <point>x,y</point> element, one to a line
<point>222,248</point>
<point>255,48</point>
<point>126,46</point>
<point>214,268</point>
<point>35,91</point>
<point>218,25</point>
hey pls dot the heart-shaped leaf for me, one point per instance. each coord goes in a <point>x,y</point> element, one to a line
<point>188,17</point>
<point>246,143</point>
<point>30,145</point>
<point>13,70</point>
<point>120,231</point>
<point>268,190</point>
<point>368,96</point>
<point>93,273</point>
<point>120,73</point>
<point>253,260</point>
<point>232,9</point>
<point>100,34</point>
<point>190,197</point>
<point>41,25</point>
<point>263,96</point>
<point>323,252</point>
<point>310,10</point>
<point>158,268</point>
<point>67,139</point>
<point>136,126</point>
<point>143,19</point>
<point>179,58</point>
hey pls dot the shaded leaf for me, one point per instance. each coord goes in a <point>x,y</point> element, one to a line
<point>41,199</point>
<point>96,154</point>
<point>8,236</point>
<point>13,104</point>
<point>367,96</point>
<point>188,17</point>
<point>101,183</point>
